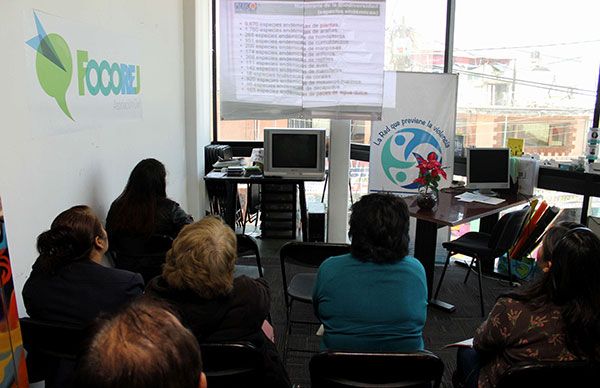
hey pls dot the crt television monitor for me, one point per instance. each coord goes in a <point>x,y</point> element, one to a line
<point>295,153</point>
<point>488,168</point>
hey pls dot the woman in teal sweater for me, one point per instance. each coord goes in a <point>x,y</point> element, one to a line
<point>375,298</point>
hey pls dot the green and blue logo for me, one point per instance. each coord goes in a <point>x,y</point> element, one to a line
<point>54,68</point>
<point>398,154</point>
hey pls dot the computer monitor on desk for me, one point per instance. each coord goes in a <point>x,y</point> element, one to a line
<point>487,169</point>
<point>296,153</point>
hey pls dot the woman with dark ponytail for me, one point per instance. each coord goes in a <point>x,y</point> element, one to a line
<point>68,283</point>
<point>556,319</point>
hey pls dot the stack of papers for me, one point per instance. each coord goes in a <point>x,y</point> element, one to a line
<point>474,197</point>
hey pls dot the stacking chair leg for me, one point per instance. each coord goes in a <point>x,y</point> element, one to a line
<point>469,270</point>
<point>480,288</point>
<point>437,290</point>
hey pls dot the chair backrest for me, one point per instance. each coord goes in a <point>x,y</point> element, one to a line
<point>307,254</point>
<point>247,246</point>
<point>551,374</point>
<point>52,349</point>
<point>232,364</point>
<point>144,256</point>
<point>507,230</point>
<point>310,254</point>
<point>53,339</point>
<point>349,369</point>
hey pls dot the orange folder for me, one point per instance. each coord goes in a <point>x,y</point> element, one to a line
<point>539,212</point>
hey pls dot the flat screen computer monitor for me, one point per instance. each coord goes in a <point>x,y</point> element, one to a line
<point>488,168</point>
<point>295,153</point>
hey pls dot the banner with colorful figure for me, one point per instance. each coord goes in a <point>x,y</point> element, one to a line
<point>418,124</point>
<point>13,370</point>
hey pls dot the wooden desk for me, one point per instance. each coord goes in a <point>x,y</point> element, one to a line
<point>450,212</point>
<point>231,183</point>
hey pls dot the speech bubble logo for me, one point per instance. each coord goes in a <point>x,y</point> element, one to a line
<point>53,64</point>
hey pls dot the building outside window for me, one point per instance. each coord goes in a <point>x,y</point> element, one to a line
<point>525,71</point>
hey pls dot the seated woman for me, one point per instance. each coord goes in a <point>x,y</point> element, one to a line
<point>375,298</point>
<point>197,280</point>
<point>68,284</point>
<point>142,221</point>
<point>556,319</point>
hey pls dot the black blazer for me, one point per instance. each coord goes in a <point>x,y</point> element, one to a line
<point>79,292</point>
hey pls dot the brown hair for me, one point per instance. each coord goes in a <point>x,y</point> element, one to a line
<point>202,258</point>
<point>145,345</point>
<point>70,238</point>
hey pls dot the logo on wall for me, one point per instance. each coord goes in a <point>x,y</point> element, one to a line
<point>54,69</point>
<point>397,149</point>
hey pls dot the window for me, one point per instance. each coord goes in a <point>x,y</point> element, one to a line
<point>521,76</point>
<point>413,42</point>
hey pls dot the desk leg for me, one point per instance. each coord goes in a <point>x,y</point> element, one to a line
<point>425,244</point>
<point>303,212</point>
<point>230,203</point>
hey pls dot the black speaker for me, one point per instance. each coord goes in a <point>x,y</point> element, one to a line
<point>316,222</point>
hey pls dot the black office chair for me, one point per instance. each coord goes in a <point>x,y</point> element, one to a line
<point>52,350</point>
<point>333,369</point>
<point>232,364</point>
<point>248,247</point>
<point>483,246</point>
<point>551,374</point>
<point>308,255</point>
<point>144,256</point>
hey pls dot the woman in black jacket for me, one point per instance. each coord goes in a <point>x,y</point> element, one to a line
<point>197,280</point>
<point>142,221</point>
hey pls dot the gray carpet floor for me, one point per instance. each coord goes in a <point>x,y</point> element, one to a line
<point>441,328</point>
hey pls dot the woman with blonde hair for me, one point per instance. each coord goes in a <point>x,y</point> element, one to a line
<point>198,282</point>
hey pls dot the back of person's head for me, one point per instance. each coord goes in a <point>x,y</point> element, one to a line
<point>202,258</point>
<point>572,282</point>
<point>71,238</point>
<point>134,210</point>
<point>144,345</point>
<point>148,178</point>
<point>379,228</point>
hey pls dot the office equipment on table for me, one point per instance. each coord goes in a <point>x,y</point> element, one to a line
<point>535,238</point>
<point>487,169</point>
<point>214,152</point>
<point>486,247</point>
<point>476,197</point>
<point>273,208</point>
<point>235,171</point>
<point>515,145</point>
<point>234,162</point>
<point>527,174</point>
<point>295,153</point>
<point>451,212</point>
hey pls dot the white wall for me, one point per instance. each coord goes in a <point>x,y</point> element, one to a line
<point>43,175</point>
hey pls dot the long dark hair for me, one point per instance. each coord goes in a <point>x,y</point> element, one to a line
<point>379,228</point>
<point>573,284</point>
<point>134,211</point>
<point>70,238</point>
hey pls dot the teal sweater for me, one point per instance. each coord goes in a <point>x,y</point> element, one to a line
<point>366,306</point>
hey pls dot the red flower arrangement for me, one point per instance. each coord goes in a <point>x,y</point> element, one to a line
<point>430,172</point>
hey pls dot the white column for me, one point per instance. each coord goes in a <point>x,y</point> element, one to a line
<point>197,79</point>
<point>339,167</point>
